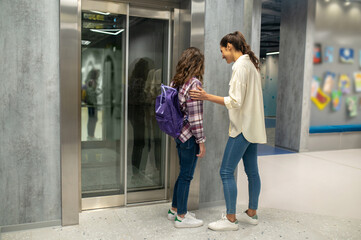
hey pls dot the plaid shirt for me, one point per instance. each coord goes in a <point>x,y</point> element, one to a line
<point>193,112</point>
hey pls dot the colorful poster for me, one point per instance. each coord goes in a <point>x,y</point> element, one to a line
<point>329,82</point>
<point>344,84</point>
<point>357,78</point>
<point>336,100</point>
<point>346,55</point>
<point>328,54</point>
<point>317,57</point>
<point>314,86</point>
<point>321,100</point>
<point>352,106</point>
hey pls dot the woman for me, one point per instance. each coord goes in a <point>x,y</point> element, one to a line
<point>190,143</point>
<point>247,128</point>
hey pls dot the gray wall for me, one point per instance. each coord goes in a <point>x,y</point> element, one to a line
<point>338,26</point>
<point>293,100</point>
<point>221,18</point>
<point>29,119</point>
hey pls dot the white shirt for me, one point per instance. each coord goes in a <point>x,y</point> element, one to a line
<point>245,102</point>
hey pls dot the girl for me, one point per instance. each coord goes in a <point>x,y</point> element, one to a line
<point>190,143</point>
<point>247,127</point>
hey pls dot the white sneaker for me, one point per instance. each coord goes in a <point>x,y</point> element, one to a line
<point>243,217</point>
<point>224,225</point>
<point>172,214</point>
<point>187,222</point>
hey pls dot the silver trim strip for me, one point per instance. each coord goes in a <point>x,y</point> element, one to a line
<point>69,50</point>
<point>168,81</point>
<point>103,202</point>
<point>149,13</point>
<point>126,110</point>
<point>29,226</point>
<point>144,196</point>
<point>104,6</point>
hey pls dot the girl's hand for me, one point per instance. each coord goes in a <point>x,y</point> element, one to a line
<point>198,94</point>
<point>202,150</point>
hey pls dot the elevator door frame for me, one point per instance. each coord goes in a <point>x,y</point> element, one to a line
<point>141,196</point>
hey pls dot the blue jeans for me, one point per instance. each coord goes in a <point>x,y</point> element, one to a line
<point>187,160</point>
<point>236,149</point>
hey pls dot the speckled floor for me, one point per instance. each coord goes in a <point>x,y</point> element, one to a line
<point>320,193</point>
<point>150,222</point>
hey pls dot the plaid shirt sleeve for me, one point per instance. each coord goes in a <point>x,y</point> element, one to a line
<point>195,115</point>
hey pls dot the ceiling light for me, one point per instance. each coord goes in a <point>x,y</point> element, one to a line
<point>347,3</point>
<point>85,42</point>
<point>272,53</point>
<point>108,31</point>
<point>102,13</point>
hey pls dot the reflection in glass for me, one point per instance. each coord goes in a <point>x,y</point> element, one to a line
<point>147,70</point>
<point>102,112</point>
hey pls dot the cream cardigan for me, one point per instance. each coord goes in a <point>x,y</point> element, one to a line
<point>245,102</point>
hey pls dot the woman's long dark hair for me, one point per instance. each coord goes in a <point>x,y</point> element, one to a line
<point>239,43</point>
<point>190,64</point>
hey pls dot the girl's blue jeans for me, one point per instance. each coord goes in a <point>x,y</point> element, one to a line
<point>187,160</point>
<point>236,149</point>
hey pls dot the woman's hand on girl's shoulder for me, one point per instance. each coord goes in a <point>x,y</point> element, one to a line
<point>199,94</point>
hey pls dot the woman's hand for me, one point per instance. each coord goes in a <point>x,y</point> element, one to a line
<point>202,150</point>
<point>198,94</point>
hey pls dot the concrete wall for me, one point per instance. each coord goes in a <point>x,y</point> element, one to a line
<point>221,18</point>
<point>293,104</point>
<point>29,112</point>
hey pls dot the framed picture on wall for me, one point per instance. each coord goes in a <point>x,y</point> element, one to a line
<point>329,82</point>
<point>346,55</point>
<point>328,54</point>
<point>352,106</point>
<point>320,100</point>
<point>344,84</point>
<point>336,100</point>
<point>315,86</point>
<point>357,78</point>
<point>317,56</point>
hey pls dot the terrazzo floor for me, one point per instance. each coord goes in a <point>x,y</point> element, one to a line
<point>150,222</point>
<point>320,193</point>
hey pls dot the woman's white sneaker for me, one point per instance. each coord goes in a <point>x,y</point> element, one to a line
<point>223,225</point>
<point>243,217</point>
<point>187,222</point>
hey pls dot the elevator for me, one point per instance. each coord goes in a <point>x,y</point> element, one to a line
<point>125,57</point>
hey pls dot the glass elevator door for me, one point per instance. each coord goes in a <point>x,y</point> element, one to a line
<point>148,69</point>
<point>124,60</point>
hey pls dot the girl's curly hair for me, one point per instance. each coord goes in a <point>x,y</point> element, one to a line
<point>190,64</point>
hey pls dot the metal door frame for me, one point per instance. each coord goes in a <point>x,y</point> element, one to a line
<point>141,196</point>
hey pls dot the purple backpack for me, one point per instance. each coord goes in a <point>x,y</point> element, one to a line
<point>168,113</point>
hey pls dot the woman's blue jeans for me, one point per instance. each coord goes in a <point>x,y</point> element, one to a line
<point>236,149</point>
<point>187,160</point>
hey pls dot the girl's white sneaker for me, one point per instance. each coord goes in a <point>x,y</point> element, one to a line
<point>172,214</point>
<point>187,222</point>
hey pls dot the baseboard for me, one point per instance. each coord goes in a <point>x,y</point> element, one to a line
<point>334,141</point>
<point>27,226</point>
